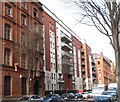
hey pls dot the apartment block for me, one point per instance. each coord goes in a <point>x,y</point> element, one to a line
<point>93,73</point>
<point>77,59</point>
<point>88,69</point>
<point>104,69</point>
<point>50,52</point>
<point>65,57</point>
<point>22,49</point>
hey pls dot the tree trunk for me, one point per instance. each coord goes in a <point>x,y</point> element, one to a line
<point>28,81</point>
<point>117,58</point>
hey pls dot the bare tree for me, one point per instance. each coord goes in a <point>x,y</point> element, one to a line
<point>33,54</point>
<point>105,16</point>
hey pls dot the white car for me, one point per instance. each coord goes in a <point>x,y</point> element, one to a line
<point>86,95</point>
<point>30,98</point>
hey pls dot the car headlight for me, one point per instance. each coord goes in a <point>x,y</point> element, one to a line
<point>50,99</point>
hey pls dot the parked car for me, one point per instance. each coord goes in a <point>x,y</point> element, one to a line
<point>67,97</point>
<point>103,98</point>
<point>111,93</point>
<point>30,98</point>
<point>52,98</point>
<point>86,95</point>
<point>78,96</point>
<point>90,93</point>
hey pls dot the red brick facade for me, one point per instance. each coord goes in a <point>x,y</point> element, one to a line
<point>12,13</point>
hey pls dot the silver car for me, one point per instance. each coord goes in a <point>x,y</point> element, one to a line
<point>30,98</point>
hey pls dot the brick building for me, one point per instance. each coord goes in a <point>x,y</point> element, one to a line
<point>77,60</point>
<point>104,69</point>
<point>22,49</point>
<point>50,56</point>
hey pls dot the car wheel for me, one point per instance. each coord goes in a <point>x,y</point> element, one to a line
<point>110,100</point>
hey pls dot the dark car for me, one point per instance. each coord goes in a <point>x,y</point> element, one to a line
<point>67,97</point>
<point>52,98</point>
<point>111,93</point>
<point>103,98</point>
<point>30,98</point>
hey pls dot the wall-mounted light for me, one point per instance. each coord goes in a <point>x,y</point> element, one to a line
<point>30,79</point>
<point>20,76</point>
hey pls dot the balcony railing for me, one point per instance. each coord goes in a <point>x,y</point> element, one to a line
<point>65,38</point>
<point>82,57</point>
<point>82,51</point>
<point>66,47</point>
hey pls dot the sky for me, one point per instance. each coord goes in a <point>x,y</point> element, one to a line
<point>97,41</point>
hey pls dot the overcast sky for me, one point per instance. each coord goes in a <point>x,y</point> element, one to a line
<point>97,41</point>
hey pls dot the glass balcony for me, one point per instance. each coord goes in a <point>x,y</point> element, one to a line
<point>65,38</point>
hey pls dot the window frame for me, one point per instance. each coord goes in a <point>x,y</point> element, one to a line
<point>23,20</point>
<point>7,52</point>
<point>7,31</point>
<point>35,12</point>
<point>24,4</point>
<point>7,10</point>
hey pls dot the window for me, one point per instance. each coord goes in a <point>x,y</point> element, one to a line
<point>50,25</point>
<point>23,39</point>
<point>23,61</point>
<point>52,86</point>
<point>35,27</point>
<point>23,4</point>
<point>7,9</point>
<point>23,86</point>
<point>7,56</point>
<point>23,19</point>
<point>51,75</point>
<point>98,62</point>
<point>54,76</point>
<point>35,12</point>
<point>7,31</point>
<point>6,85</point>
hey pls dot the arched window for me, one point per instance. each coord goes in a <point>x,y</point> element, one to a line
<point>6,85</point>
<point>23,86</point>
<point>7,30</point>
<point>7,56</point>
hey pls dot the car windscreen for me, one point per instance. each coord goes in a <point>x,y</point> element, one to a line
<point>49,96</point>
<point>24,98</point>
